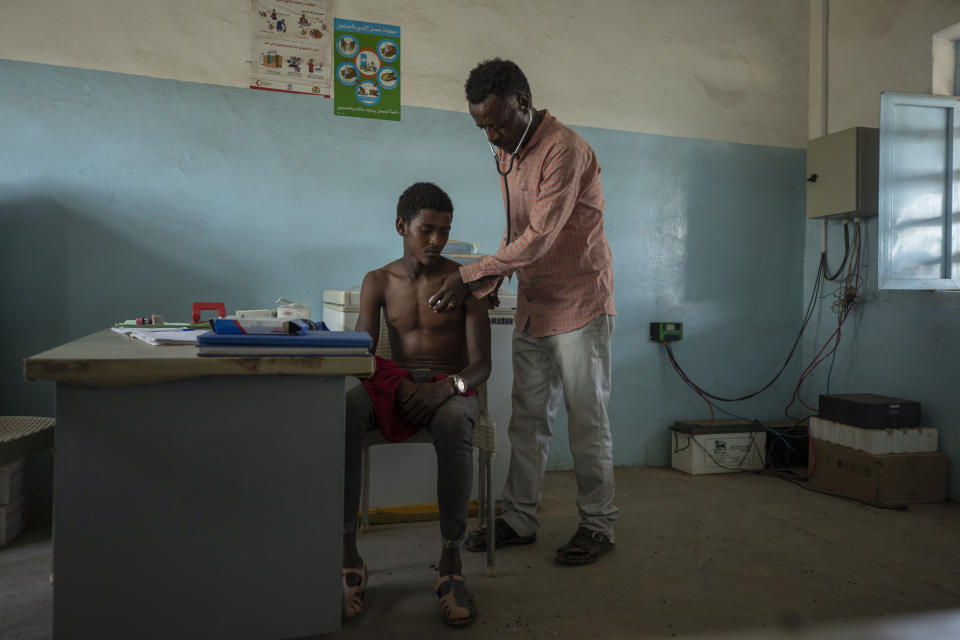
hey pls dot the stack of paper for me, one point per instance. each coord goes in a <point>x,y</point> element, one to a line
<point>310,343</point>
<point>161,336</point>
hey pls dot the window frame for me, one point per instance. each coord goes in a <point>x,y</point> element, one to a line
<point>896,136</point>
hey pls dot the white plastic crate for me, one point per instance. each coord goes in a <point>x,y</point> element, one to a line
<point>722,448</point>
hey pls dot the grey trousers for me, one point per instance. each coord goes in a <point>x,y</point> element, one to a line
<point>576,366</point>
<point>452,430</point>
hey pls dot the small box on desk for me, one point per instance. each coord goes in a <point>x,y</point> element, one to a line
<point>883,480</point>
<point>725,446</point>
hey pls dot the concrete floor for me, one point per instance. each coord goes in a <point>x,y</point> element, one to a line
<point>737,555</point>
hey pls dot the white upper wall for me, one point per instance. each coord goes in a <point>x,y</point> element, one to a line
<point>732,70</point>
<point>874,46</point>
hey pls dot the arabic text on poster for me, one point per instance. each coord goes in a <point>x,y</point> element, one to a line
<point>366,68</point>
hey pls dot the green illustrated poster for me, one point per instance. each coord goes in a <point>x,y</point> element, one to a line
<point>366,70</point>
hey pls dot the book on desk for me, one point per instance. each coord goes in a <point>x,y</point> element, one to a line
<point>310,343</point>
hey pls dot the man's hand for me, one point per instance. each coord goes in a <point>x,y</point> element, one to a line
<point>418,401</point>
<point>451,294</point>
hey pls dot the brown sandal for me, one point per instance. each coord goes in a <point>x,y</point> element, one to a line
<point>353,595</point>
<point>457,606</point>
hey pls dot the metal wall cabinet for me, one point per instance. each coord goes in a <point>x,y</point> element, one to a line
<point>842,174</point>
<point>919,225</point>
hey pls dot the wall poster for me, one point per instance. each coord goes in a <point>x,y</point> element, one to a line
<point>366,68</point>
<point>291,46</point>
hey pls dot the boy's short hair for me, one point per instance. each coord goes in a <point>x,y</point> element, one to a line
<point>501,78</point>
<point>422,195</point>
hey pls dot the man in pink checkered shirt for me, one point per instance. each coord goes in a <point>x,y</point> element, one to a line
<point>556,247</point>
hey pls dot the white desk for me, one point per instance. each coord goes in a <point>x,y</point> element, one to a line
<point>195,497</point>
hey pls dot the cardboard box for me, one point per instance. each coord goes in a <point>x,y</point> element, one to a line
<point>12,517</point>
<point>726,446</point>
<point>883,480</point>
<point>11,481</point>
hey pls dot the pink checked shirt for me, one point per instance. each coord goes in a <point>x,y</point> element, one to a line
<point>557,248</point>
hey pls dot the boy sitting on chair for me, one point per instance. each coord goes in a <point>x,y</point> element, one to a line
<point>439,359</point>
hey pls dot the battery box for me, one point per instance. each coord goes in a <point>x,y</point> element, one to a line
<point>726,446</point>
<point>870,411</point>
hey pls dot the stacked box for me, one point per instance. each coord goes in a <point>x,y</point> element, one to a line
<point>870,410</point>
<point>884,480</point>
<point>875,441</point>
<point>873,448</point>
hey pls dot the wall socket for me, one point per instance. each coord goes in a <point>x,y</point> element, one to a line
<point>666,331</point>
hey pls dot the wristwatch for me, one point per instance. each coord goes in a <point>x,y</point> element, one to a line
<point>459,384</point>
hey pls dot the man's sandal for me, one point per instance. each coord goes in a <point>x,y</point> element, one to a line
<point>503,535</point>
<point>457,606</point>
<point>353,594</point>
<point>585,547</point>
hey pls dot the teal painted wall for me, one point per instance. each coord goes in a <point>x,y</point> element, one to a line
<point>125,195</point>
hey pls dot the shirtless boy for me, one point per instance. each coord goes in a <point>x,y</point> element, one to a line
<point>453,346</point>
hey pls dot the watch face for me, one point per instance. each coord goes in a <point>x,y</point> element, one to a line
<point>459,383</point>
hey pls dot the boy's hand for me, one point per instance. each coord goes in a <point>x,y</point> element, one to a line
<point>405,391</point>
<point>419,401</point>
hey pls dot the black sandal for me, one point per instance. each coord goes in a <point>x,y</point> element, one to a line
<point>503,534</point>
<point>457,606</point>
<point>585,547</point>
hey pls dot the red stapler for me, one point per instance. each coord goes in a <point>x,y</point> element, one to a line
<point>208,306</point>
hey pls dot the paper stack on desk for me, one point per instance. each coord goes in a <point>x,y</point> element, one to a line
<point>310,343</point>
<point>159,336</point>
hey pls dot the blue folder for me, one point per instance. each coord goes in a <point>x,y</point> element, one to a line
<point>333,339</point>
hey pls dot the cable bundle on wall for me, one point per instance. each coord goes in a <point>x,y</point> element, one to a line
<point>846,295</point>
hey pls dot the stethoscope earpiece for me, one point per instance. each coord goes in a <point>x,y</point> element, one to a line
<point>513,155</point>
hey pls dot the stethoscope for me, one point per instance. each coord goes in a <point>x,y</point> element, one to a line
<point>504,174</point>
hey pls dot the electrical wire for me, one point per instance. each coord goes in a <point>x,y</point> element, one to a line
<point>843,306</point>
<point>806,319</point>
<point>846,254</point>
<point>713,406</point>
